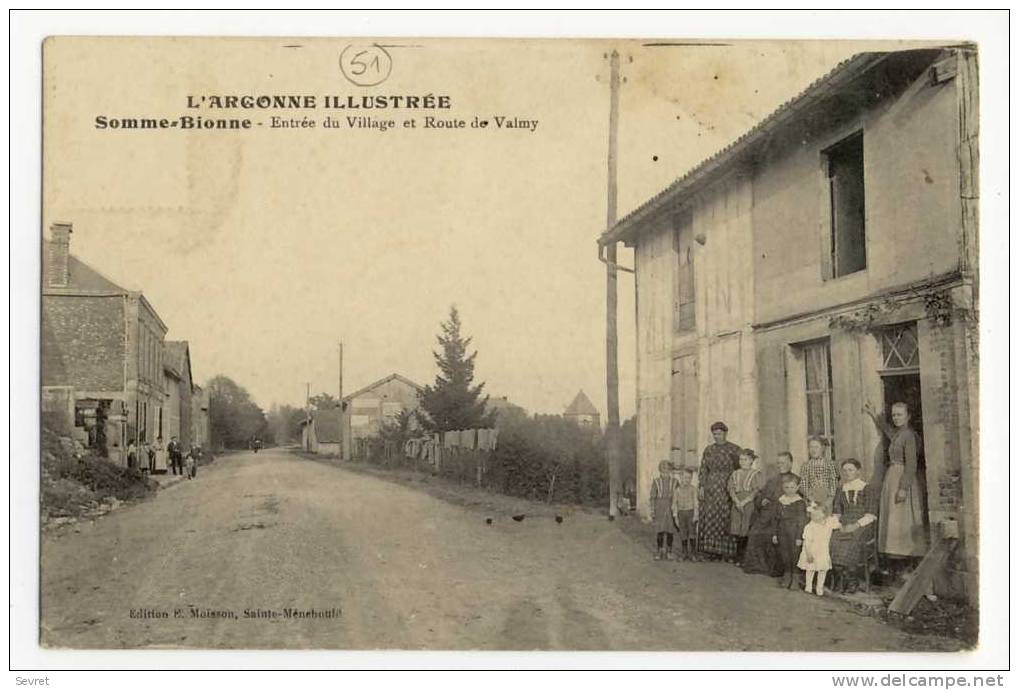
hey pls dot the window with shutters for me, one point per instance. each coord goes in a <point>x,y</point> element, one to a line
<point>846,197</point>
<point>820,417</point>
<point>684,317</point>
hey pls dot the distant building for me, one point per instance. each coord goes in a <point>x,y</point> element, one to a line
<point>375,404</point>
<point>101,353</point>
<point>179,388</point>
<point>504,409</point>
<point>322,432</point>
<point>200,417</point>
<point>583,412</point>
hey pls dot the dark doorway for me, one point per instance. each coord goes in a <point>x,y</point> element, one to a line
<point>905,387</point>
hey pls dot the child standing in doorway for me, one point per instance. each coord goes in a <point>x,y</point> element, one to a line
<point>815,557</point>
<point>662,489</point>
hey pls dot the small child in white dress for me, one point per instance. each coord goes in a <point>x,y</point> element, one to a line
<point>815,557</point>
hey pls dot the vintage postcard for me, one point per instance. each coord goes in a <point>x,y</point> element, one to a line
<point>493,344</point>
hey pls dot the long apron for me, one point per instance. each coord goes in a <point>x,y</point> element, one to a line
<point>900,526</point>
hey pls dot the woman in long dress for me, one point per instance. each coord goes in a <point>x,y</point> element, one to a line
<point>856,507</point>
<point>901,531</point>
<point>719,461</point>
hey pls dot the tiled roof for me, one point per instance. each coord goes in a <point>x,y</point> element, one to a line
<point>81,278</point>
<point>327,426</point>
<point>387,379</point>
<point>176,357</point>
<point>581,405</point>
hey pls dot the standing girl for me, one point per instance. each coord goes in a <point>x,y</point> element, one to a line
<point>815,557</point>
<point>819,475</point>
<point>662,489</point>
<point>744,484</point>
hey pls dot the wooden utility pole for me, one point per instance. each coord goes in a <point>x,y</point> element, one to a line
<point>307,396</point>
<point>612,434</point>
<point>344,432</point>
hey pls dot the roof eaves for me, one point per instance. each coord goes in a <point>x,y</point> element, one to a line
<point>846,70</point>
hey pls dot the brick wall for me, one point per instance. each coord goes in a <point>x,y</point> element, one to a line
<point>950,465</point>
<point>83,342</point>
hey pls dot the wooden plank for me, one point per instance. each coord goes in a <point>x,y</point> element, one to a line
<point>919,583</point>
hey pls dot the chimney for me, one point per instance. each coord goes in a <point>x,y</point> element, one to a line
<point>59,251</point>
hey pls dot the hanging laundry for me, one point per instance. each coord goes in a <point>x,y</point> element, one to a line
<point>468,438</point>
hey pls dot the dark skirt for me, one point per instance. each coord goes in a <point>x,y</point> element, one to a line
<point>761,557</point>
<point>849,548</point>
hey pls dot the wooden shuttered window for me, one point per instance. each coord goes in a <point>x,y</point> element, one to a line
<point>684,316</point>
<point>847,204</point>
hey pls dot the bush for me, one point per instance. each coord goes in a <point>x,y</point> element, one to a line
<point>534,451</point>
<point>531,452</point>
<point>70,484</point>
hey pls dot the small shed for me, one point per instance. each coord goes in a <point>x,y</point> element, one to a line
<point>322,432</point>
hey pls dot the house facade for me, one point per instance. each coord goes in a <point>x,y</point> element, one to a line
<point>369,408</point>
<point>200,417</point>
<point>849,276</point>
<point>179,392</point>
<point>101,353</point>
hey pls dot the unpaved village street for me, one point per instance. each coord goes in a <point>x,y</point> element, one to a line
<point>405,570</point>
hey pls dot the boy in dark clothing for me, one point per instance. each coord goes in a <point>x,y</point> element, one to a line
<point>790,517</point>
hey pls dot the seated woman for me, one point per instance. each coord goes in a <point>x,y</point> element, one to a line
<point>856,507</point>
<point>761,555</point>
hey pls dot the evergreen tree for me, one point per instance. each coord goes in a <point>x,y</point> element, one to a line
<point>453,402</point>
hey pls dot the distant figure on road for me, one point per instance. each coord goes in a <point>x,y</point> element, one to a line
<point>191,464</point>
<point>150,452</point>
<point>132,456</point>
<point>176,455</point>
<point>257,444</point>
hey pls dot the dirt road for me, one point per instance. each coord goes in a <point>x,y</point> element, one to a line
<point>380,565</point>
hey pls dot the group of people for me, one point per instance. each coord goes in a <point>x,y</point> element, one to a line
<point>796,527</point>
<point>181,462</point>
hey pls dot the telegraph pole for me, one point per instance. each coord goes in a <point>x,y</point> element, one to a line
<point>344,426</point>
<point>612,433</point>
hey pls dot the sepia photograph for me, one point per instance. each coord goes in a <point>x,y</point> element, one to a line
<point>355,342</point>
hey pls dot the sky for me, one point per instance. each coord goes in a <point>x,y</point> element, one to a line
<point>264,248</point>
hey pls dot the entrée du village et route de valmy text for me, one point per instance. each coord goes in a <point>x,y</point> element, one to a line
<point>312,102</point>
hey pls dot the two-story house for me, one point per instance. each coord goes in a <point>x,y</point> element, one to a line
<point>823,260</point>
<point>101,352</point>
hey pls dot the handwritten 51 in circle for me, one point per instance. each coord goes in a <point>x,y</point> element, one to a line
<point>365,65</point>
